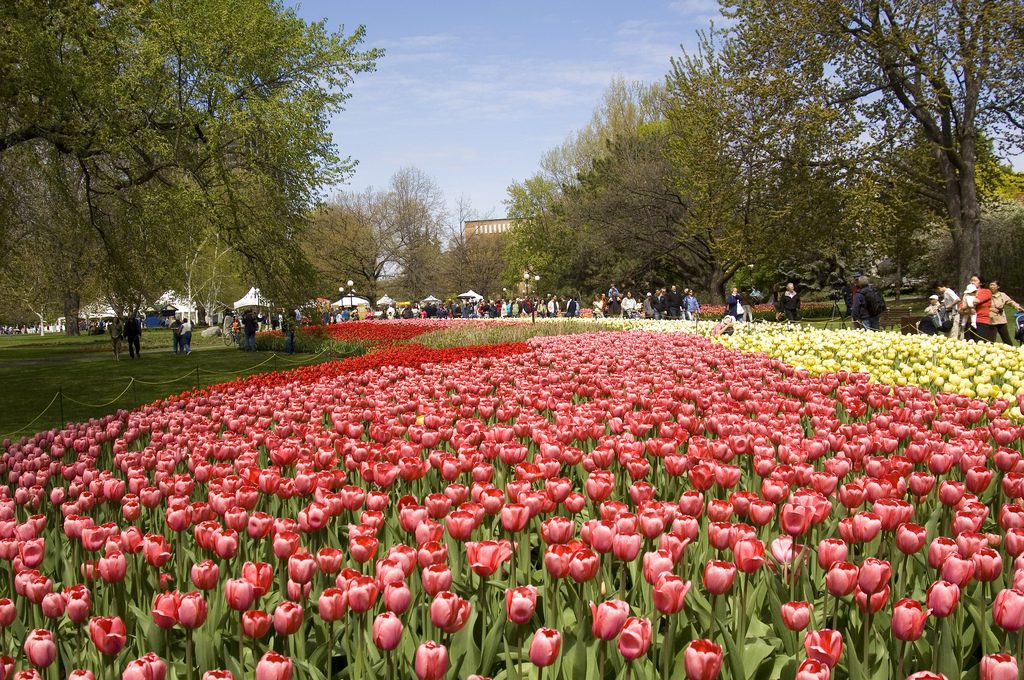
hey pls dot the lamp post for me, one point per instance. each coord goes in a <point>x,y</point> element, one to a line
<point>351,293</point>
<point>533,304</point>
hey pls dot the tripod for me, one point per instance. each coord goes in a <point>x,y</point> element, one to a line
<point>837,316</point>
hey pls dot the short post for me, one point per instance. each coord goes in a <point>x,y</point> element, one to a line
<point>197,375</point>
<point>60,392</point>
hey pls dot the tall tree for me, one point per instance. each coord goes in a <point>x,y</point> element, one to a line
<point>168,111</point>
<point>946,71</point>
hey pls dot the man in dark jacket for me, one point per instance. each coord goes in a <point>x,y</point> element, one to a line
<point>133,335</point>
<point>249,325</point>
<point>867,305</point>
<point>674,303</point>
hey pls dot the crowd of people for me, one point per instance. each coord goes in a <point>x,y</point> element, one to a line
<point>978,313</point>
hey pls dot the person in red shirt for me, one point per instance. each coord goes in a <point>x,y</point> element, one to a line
<point>983,331</point>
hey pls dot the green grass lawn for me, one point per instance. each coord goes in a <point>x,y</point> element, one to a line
<point>34,369</point>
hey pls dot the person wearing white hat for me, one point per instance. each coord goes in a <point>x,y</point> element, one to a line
<point>968,313</point>
<point>951,304</point>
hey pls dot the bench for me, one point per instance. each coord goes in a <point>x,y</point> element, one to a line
<point>901,319</point>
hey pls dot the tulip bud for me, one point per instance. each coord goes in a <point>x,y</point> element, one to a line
<point>274,666</point>
<point>544,647</point>
<point>431,661</point>
<point>702,660</point>
<point>387,631</point>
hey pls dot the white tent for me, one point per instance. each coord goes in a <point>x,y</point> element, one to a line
<point>97,310</point>
<point>385,301</point>
<point>471,295</point>
<point>252,299</point>
<point>351,301</point>
<point>430,298</point>
<point>181,305</point>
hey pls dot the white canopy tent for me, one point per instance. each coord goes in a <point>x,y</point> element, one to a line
<point>252,299</point>
<point>471,295</point>
<point>181,305</point>
<point>430,298</point>
<point>351,301</point>
<point>97,310</point>
<point>385,301</point>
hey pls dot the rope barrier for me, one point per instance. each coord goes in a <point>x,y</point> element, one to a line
<point>60,394</point>
<point>32,422</point>
<point>166,382</point>
<point>109,403</point>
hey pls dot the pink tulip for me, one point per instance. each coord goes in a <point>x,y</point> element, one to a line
<point>387,631</point>
<point>608,619</point>
<point>40,648</point>
<point>908,620</point>
<point>635,638</point>
<point>702,660</point>
<point>520,603</point>
<point>796,615</point>
<point>999,667</point>
<point>544,647</point>
<point>824,646</point>
<point>274,666</point>
<point>1008,609</point>
<point>431,661</point>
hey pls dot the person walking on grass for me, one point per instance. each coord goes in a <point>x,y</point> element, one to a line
<point>116,330</point>
<point>132,333</point>
<point>186,336</point>
<point>175,327</point>
<point>249,325</point>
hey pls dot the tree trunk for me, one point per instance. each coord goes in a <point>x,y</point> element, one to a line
<point>72,304</point>
<point>717,279</point>
<point>963,211</point>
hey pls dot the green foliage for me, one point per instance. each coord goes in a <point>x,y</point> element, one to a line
<point>212,114</point>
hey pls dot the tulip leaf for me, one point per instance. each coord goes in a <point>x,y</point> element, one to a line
<point>755,651</point>
<point>734,658</point>
<point>309,670</point>
<point>989,643</point>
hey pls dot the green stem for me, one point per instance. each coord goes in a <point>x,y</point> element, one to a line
<point>189,654</point>
<point>711,634</point>
<point>667,647</point>
<point>866,650</point>
<point>330,651</point>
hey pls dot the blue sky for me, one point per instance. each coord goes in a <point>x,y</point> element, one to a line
<point>473,93</point>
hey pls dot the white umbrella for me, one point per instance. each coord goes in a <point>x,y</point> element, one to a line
<point>471,295</point>
<point>351,301</point>
<point>430,298</point>
<point>384,301</point>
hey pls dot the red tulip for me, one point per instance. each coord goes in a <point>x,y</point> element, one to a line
<point>287,618</point>
<point>655,564</point>
<point>841,579</point>
<point>520,603</point>
<point>999,667</point>
<point>331,604</point>
<point>669,593</point>
<point>192,609</point>
<point>942,598</point>
<point>239,594</point>
<point>583,565</point>
<point>608,619</point>
<point>8,611</point>
<point>431,661</point>
<point>544,647</point>
<point>1008,609</point>
<point>908,620</point>
<point>813,670</point>
<point>40,649</point>
<point>635,638</point>
<point>435,578</point>
<point>205,575</point>
<point>910,538</point>
<point>718,576</point>
<point>824,646</point>
<point>362,593</point>
<point>397,597</point>
<point>796,615</point>
<point>255,623</point>
<point>81,674</point>
<point>702,660</point>
<point>260,575</point>
<point>387,631</point>
<point>274,666</point>
<point>449,612</point>
<point>219,674</point>
<point>874,575</point>
<point>165,610</point>
<point>748,555</point>
<point>108,633</point>
<point>486,556</point>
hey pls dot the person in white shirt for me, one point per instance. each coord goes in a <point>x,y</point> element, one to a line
<point>951,302</point>
<point>186,336</point>
<point>629,306</point>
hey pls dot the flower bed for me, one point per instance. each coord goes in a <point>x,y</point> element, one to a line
<point>649,504</point>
